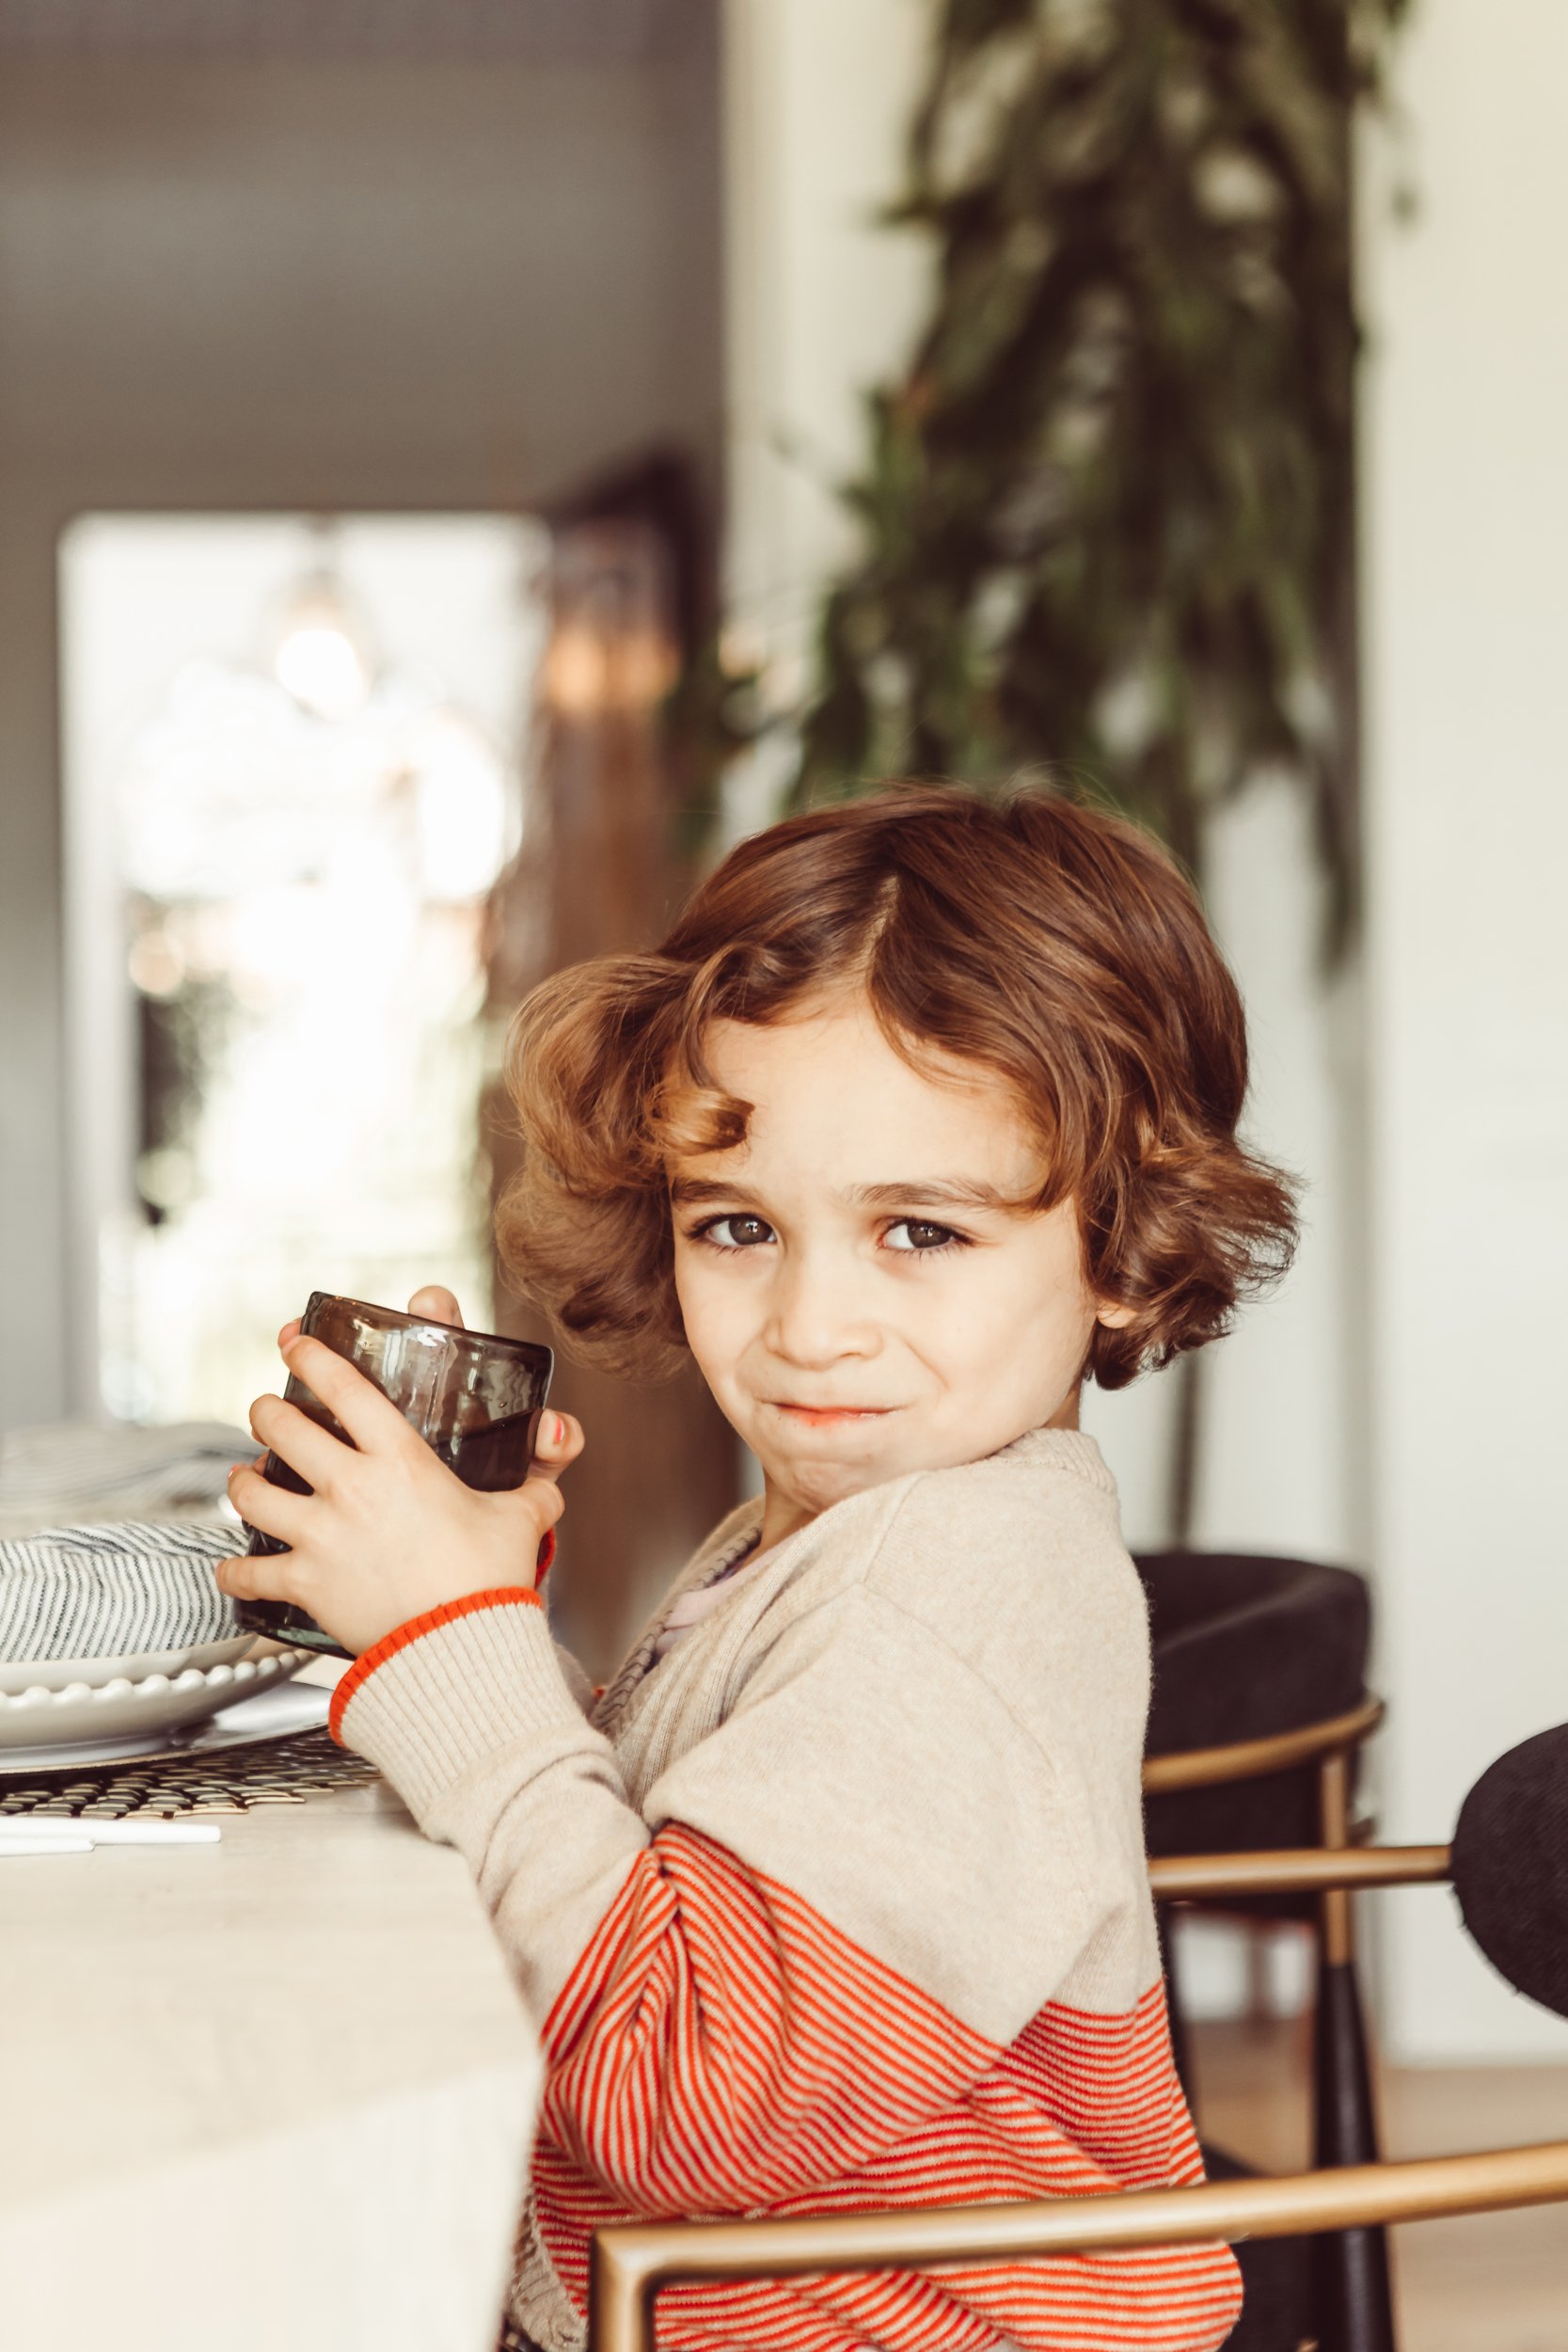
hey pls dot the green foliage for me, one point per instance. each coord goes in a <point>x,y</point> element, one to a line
<point>1107,511</point>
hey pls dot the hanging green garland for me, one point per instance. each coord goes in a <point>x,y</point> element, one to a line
<point>1108,509</point>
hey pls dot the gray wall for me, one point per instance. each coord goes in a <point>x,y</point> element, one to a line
<point>438,283</point>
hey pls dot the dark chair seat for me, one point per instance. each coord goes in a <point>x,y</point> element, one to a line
<point>1246,1646</point>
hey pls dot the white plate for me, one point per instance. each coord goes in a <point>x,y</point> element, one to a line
<point>79,1714</point>
<point>280,1713</point>
<point>57,1674</point>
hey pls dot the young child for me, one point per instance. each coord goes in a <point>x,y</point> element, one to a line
<point>923,1113</point>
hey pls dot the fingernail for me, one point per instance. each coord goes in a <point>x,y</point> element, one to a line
<point>559,1432</point>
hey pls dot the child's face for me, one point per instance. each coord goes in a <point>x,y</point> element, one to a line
<point>859,1294</point>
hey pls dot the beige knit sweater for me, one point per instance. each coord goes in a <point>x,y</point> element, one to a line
<point>843,1902</point>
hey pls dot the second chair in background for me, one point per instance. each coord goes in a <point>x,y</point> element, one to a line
<point>1259,1709</point>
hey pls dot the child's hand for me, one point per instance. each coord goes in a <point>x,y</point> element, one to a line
<point>390,1531</point>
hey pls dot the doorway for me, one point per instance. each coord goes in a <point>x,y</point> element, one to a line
<point>292,769</point>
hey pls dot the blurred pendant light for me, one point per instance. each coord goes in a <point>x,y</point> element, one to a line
<point>322,655</point>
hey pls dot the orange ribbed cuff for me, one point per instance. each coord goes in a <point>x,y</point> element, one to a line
<point>499,1596</point>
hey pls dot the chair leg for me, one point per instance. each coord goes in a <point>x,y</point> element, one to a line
<point>1354,2294</point>
<point>1354,2291</point>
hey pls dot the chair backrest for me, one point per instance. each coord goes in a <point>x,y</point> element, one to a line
<point>1247,1644</point>
<point>1511,1867</point>
<point>630,2262</point>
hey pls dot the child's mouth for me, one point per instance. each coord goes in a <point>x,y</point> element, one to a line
<point>829,1416</point>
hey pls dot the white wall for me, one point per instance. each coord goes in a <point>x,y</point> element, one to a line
<point>1281,1466</point>
<point>1466,523</point>
<point>821,303</point>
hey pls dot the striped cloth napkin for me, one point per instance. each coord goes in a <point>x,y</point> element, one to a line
<point>113,1592</point>
<point>108,1536</point>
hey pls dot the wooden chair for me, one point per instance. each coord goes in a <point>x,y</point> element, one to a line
<point>1259,1714</point>
<point>631,2264</point>
<point>1509,1865</point>
<point>1353,2293</point>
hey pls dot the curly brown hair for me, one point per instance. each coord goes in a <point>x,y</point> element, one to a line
<point>1056,946</point>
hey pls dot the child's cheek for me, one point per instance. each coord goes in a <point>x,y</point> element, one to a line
<point>719,1327</point>
<point>699,1308</point>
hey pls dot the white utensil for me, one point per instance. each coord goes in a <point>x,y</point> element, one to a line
<point>43,1845</point>
<point>30,1830</point>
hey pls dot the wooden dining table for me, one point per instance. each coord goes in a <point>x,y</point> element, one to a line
<point>273,2091</point>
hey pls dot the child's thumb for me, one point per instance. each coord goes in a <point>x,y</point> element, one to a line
<point>556,1447</point>
<point>539,1500</point>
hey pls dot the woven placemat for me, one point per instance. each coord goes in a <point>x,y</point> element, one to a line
<point>273,1771</point>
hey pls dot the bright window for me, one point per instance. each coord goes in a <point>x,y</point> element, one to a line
<point>293,777</point>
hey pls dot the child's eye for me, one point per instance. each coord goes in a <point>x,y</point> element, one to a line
<point>734,1232</point>
<point>922,1238</point>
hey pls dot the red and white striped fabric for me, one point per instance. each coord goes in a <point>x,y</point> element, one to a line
<point>722,2048</point>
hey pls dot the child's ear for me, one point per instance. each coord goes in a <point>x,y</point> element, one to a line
<point>1115,1318</point>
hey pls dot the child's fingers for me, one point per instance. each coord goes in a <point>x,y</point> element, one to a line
<point>259,1576</point>
<point>272,1509</point>
<point>289,1331</point>
<point>437,1305</point>
<point>300,1441</point>
<point>372,1420</point>
<point>560,1441</point>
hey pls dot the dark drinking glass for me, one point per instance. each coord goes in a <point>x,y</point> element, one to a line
<point>475,1400</point>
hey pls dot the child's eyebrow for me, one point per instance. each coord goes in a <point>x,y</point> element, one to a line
<point>925,1192</point>
<point>688,1190</point>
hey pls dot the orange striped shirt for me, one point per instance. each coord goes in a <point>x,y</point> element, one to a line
<point>721,2048</point>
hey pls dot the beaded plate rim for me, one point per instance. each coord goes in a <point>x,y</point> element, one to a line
<point>54,1674</point>
<point>282,1710</point>
<point>66,1715</point>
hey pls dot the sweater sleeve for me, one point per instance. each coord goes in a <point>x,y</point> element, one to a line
<point>477,1726</point>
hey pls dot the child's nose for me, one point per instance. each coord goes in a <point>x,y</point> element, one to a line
<point>815,1316</point>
